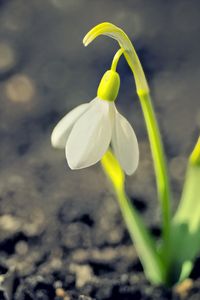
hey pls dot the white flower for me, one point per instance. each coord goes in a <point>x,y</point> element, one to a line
<point>87,131</point>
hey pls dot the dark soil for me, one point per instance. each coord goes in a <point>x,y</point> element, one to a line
<point>82,251</point>
<point>61,232</point>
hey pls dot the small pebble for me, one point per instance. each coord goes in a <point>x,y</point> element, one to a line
<point>21,248</point>
<point>56,264</point>
<point>20,88</point>
<point>84,274</point>
<point>183,288</point>
<point>36,225</point>
<point>57,284</point>
<point>60,293</point>
<point>9,223</point>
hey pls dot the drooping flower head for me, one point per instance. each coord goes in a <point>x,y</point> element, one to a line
<point>89,129</point>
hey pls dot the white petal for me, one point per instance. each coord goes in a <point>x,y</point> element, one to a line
<point>91,135</point>
<point>62,130</point>
<point>125,144</point>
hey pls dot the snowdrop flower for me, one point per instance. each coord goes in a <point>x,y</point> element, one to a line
<point>87,131</point>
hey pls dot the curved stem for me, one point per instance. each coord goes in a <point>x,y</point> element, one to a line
<point>116,59</point>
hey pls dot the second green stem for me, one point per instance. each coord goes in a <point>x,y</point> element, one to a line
<point>163,185</point>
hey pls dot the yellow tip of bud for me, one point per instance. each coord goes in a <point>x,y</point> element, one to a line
<point>195,156</point>
<point>109,86</point>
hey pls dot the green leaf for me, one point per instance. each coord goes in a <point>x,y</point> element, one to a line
<point>140,235</point>
<point>186,222</point>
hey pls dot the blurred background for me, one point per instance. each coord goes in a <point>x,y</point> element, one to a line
<point>47,210</point>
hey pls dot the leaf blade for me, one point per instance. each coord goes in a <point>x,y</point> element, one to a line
<point>143,241</point>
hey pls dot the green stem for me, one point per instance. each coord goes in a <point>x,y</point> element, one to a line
<point>116,59</point>
<point>144,242</point>
<point>163,185</point>
<point>157,150</point>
